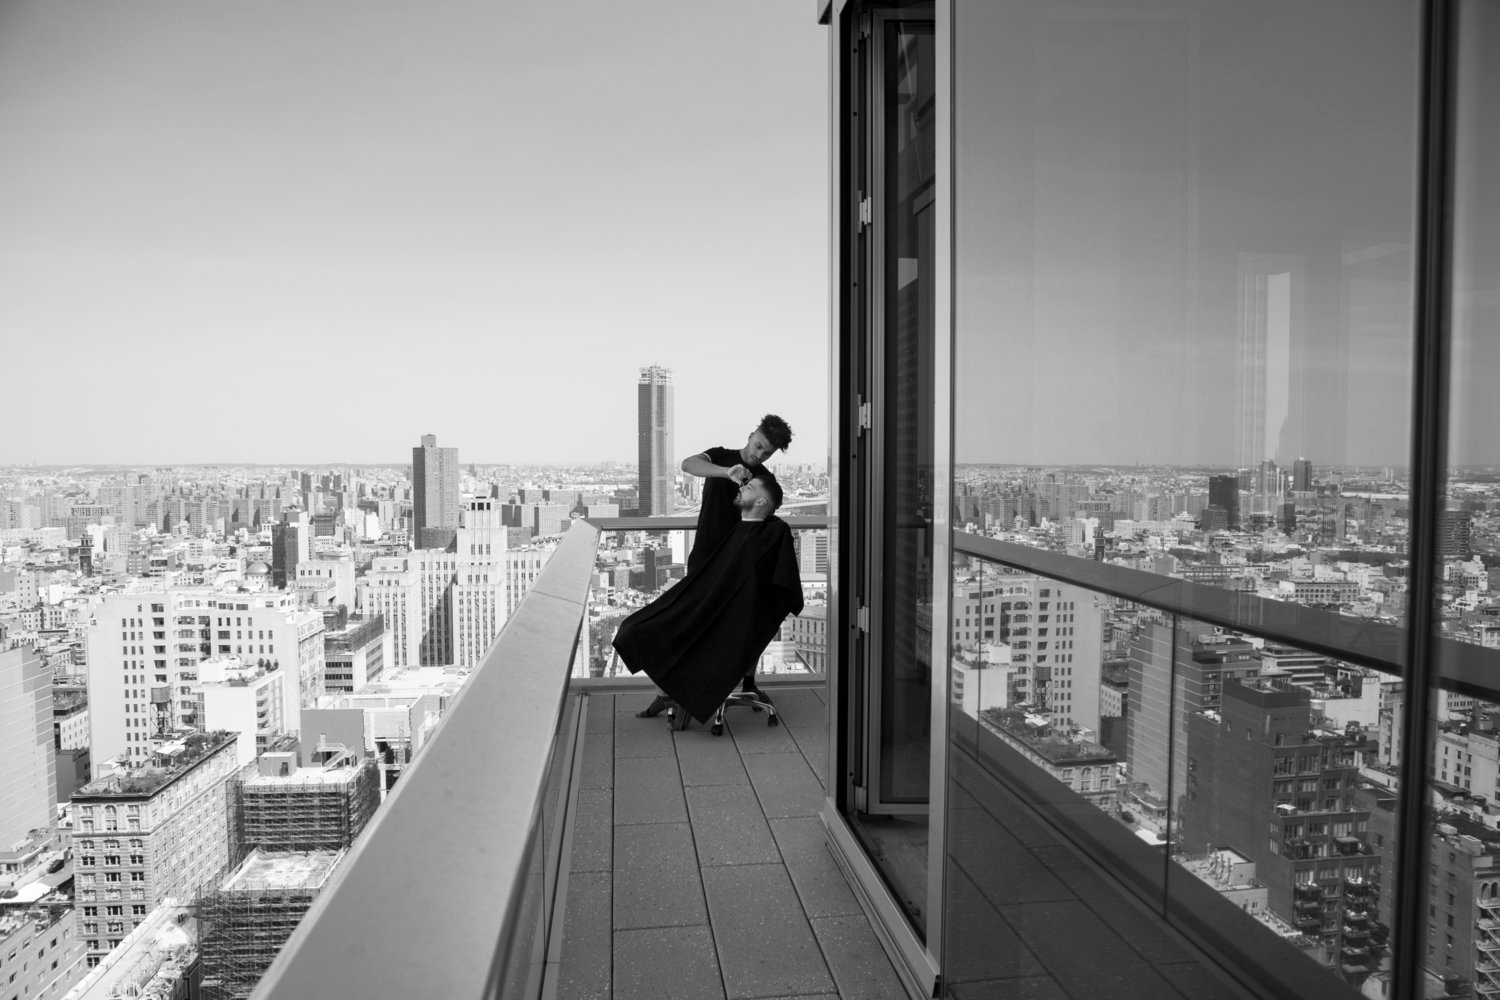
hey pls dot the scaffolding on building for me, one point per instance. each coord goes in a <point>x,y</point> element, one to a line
<point>250,917</point>
<point>307,809</point>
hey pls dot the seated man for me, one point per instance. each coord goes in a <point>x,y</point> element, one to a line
<point>724,471</point>
<point>707,632</point>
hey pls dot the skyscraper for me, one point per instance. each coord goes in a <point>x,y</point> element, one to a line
<point>434,482</point>
<point>445,608</point>
<point>1302,475</point>
<point>291,544</point>
<point>1224,493</point>
<point>654,433</point>
<point>28,776</point>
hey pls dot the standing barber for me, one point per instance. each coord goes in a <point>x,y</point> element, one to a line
<point>724,471</point>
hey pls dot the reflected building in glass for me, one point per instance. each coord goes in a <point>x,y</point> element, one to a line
<point>1108,281</point>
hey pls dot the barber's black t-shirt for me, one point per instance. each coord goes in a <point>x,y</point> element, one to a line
<point>719,514</point>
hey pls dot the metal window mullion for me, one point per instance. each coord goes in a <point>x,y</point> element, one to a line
<point>1429,457</point>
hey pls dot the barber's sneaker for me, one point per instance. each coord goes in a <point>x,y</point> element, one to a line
<point>680,718</point>
<point>658,704</point>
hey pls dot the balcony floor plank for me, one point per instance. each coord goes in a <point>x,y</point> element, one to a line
<point>657,881</point>
<point>766,946</point>
<point>666,963</point>
<point>717,887</point>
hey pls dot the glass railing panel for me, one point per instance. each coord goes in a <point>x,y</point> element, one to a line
<point>498,767</point>
<point>1241,787</point>
<point>1183,346</point>
<point>523,963</point>
<point>635,565</point>
<point>1283,804</point>
<point>1041,688</point>
<point>1459,925</point>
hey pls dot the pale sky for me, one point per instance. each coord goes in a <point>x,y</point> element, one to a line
<point>313,230</point>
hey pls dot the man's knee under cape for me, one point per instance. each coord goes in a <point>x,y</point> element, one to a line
<point>707,631</point>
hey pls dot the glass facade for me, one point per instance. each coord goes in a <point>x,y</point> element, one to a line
<point>1180,521</point>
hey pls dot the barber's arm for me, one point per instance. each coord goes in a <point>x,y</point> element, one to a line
<point>700,466</point>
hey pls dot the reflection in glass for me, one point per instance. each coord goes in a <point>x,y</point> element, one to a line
<point>1462,915</point>
<point>906,584</point>
<point>1183,304</point>
<point>891,809</point>
<point>1284,742</point>
<point>1239,782</point>
<point>1183,337</point>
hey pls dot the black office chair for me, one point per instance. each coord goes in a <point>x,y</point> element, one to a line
<point>755,699</point>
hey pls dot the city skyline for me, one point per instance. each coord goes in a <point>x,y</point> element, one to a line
<point>205,200</point>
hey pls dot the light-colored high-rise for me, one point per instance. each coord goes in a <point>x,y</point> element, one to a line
<point>144,650</point>
<point>522,567</point>
<point>479,581</point>
<point>27,764</point>
<point>391,589</point>
<point>1055,633</point>
<point>249,698</point>
<point>654,441</point>
<point>444,607</point>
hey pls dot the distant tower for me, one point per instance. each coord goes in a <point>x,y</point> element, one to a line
<point>291,543</point>
<point>434,481</point>
<point>1302,476</point>
<point>1224,493</point>
<point>654,434</point>
<point>1270,479</point>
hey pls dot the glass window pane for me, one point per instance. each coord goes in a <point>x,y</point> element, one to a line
<point>1183,294</point>
<point>1261,817</point>
<point>1183,298</point>
<point>906,578</point>
<point>890,812</point>
<point>1462,915</point>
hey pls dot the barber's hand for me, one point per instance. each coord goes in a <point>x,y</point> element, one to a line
<point>739,474</point>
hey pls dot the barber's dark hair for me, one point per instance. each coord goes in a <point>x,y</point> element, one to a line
<point>768,480</point>
<point>776,430</point>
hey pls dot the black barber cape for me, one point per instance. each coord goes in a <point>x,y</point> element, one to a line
<point>697,640</point>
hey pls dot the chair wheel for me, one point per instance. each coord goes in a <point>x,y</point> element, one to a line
<point>716,729</point>
<point>773,721</point>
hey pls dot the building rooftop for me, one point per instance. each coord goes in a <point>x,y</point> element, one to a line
<point>283,870</point>
<point>304,776</point>
<point>150,961</point>
<point>169,761</point>
<point>1034,731</point>
<point>356,633</point>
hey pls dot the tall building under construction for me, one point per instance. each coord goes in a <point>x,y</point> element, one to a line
<point>296,823</point>
<point>282,807</point>
<point>253,913</point>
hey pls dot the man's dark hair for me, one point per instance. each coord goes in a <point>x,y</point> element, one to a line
<point>776,430</point>
<point>773,488</point>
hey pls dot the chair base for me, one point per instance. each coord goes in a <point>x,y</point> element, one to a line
<point>754,699</point>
